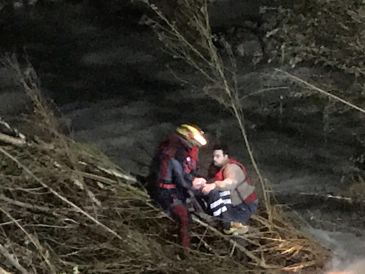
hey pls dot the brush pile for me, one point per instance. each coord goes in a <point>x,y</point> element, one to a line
<point>67,209</point>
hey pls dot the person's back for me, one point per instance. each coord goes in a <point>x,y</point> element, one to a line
<point>170,177</point>
<point>173,170</point>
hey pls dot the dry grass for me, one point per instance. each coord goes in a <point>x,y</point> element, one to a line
<point>56,218</point>
<point>65,210</point>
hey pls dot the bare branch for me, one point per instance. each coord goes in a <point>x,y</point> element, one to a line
<point>12,140</point>
<point>12,259</point>
<point>328,94</point>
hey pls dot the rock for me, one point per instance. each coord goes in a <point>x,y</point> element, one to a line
<point>251,49</point>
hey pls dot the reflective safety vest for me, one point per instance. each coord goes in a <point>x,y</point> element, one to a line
<point>251,197</point>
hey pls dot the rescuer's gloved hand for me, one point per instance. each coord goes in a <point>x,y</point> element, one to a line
<point>198,183</point>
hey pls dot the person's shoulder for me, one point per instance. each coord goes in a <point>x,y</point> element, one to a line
<point>233,167</point>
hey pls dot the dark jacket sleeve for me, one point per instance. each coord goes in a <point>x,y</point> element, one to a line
<point>178,173</point>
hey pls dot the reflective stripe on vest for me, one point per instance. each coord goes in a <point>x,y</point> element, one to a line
<point>167,186</point>
<point>219,176</point>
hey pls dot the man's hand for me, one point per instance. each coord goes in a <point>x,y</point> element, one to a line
<point>199,183</point>
<point>208,188</point>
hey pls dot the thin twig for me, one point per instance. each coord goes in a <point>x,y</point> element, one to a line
<point>297,79</point>
<point>12,259</point>
<point>25,205</point>
<point>264,90</point>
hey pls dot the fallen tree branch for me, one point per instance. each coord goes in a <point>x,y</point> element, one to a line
<point>11,259</point>
<point>319,196</point>
<point>297,79</point>
<point>25,205</point>
<point>94,177</point>
<point>18,142</point>
<point>118,174</point>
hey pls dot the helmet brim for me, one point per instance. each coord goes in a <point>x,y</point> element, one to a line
<point>200,139</point>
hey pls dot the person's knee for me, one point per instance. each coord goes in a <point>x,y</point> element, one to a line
<point>253,207</point>
<point>240,214</point>
<point>181,212</point>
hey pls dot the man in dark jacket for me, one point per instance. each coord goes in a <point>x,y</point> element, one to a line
<point>174,170</point>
